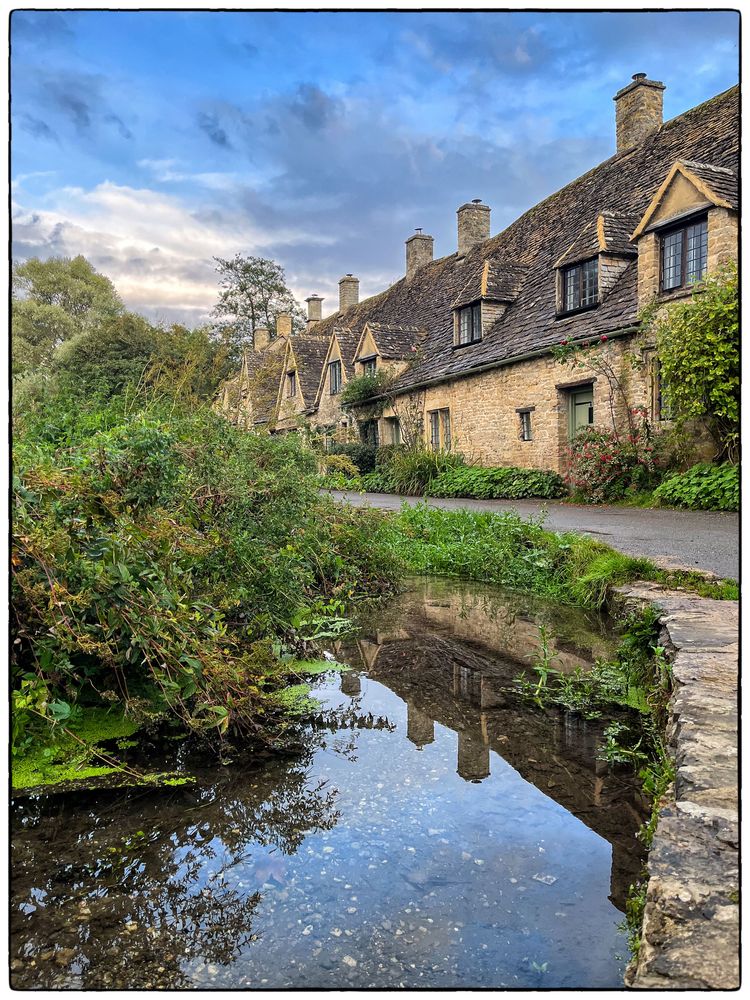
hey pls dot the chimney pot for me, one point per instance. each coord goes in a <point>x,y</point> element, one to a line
<point>639,110</point>
<point>419,249</point>
<point>348,292</point>
<point>473,224</point>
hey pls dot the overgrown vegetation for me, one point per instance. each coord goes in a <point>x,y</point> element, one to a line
<point>507,550</point>
<point>698,346</point>
<point>494,484</point>
<point>702,487</point>
<point>363,388</point>
<point>166,565</point>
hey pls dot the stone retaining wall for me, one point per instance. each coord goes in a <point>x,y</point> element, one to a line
<point>690,937</point>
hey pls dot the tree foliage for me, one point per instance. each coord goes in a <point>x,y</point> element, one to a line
<point>697,344</point>
<point>253,293</point>
<point>53,300</point>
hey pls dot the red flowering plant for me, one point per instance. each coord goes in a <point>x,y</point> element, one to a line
<point>610,464</point>
<point>604,466</point>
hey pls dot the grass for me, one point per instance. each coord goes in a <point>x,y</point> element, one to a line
<point>519,554</point>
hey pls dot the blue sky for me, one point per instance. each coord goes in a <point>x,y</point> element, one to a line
<point>152,141</point>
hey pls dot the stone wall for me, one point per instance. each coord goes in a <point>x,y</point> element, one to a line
<point>690,935</point>
<point>486,427</point>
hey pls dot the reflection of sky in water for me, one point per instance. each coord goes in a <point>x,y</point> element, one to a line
<point>426,879</point>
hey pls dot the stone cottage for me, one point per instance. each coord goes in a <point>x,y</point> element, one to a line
<point>467,339</point>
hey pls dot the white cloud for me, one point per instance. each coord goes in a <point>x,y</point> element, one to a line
<point>155,247</point>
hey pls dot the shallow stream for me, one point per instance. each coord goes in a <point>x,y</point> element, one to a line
<point>437,832</point>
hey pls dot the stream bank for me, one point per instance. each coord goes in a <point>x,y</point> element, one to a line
<point>690,935</point>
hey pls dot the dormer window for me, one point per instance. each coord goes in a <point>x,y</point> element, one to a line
<point>684,255</point>
<point>369,366</point>
<point>581,286</point>
<point>291,384</point>
<point>470,324</point>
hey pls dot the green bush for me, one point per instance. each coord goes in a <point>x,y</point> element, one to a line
<point>159,555</point>
<point>364,387</point>
<point>377,482</point>
<point>704,487</point>
<point>363,455</point>
<point>411,471</point>
<point>494,484</point>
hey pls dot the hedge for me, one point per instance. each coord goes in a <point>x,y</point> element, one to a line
<point>507,483</point>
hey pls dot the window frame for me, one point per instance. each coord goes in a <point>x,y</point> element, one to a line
<point>579,267</point>
<point>474,313</point>
<point>336,366</point>
<point>291,384</point>
<point>526,432</point>
<point>369,366</point>
<point>682,227</point>
<point>662,412</point>
<point>440,429</point>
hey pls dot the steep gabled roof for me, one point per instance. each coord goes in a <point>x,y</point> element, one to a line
<point>347,341</point>
<point>497,279</point>
<point>309,353</point>
<point>260,377</point>
<point>395,341</point>
<point>717,184</point>
<point>608,233</point>
<point>624,184</point>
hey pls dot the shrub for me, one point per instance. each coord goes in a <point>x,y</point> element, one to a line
<point>494,484</point>
<point>364,387</point>
<point>158,556</point>
<point>363,455</point>
<point>604,466</point>
<point>340,465</point>
<point>411,471</point>
<point>377,482</point>
<point>698,346</point>
<point>704,487</point>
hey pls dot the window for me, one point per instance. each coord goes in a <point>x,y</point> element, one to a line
<point>470,324</point>
<point>581,409</point>
<point>684,255</point>
<point>369,367</point>
<point>440,430</point>
<point>662,410</point>
<point>369,433</point>
<point>334,375</point>
<point>581,286</point>
<point>394,430</point>
<point>291,383</point>
<point>525,419</point>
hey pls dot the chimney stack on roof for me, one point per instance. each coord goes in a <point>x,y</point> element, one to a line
<point>284,325</point>
<point>639,110</point>
<point>261,338</point>
<point>473,224</point>
<point>419,248</point>
<point>348,292</point>
<point>314,309</point>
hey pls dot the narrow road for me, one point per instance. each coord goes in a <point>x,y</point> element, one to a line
<point>672,538</point>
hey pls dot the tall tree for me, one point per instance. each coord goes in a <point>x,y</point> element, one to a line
<point>53,301</point>
<point>253,293</point>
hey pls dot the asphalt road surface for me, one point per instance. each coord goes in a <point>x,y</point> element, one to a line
<point>672,538</point>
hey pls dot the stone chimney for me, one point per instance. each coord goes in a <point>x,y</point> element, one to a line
<point>473,224</point>
<point>261,338</point>
<point>348,292</point>
<point>639,110</point>
<point>284,325</point>
<point>418,252</point>
<point>314,310</point>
